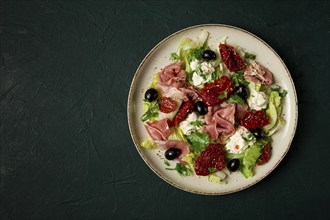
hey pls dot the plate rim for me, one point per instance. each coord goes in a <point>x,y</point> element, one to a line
<point>129,108</point>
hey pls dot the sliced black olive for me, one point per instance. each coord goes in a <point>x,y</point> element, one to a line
<point>257,133</point>
<point>201,108</point>
<point>172,153</point>
<point>209,55</point>
<point>233,165</point>
<point>151,94</point>
<point>242,91</point>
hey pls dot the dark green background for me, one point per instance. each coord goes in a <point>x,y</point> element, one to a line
<point>66,69</point>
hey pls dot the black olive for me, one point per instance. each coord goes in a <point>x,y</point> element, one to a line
<point>242,91</point>
<point>209,55</point>
<point>172,153</point>
<point>151,94</point>
<point>233,165</point>
<point>257,133</point>
<point>201,108</point>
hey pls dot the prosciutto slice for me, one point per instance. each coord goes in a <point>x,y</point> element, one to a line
<point>172,76</point>
<point>220,121</point>
<point>159,130</point>
<point>189,92</point>
<point>172,83</point>
<point>258,74</point>
<point>183,146</point>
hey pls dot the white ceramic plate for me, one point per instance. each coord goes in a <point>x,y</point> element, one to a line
<point>158,57</point>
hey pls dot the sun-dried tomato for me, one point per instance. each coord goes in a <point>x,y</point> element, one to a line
<point>265,156</point>
<point>167,105</point>
<point>211,92</point>
<point>185,108</point>
<point>231,59</point>
<point>213,157</point>
<point>254,119</point>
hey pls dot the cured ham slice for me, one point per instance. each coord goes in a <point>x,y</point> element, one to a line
<point>220,121</point>
<point>183,146</point>
<point>258,74</point>
<point>228,111</point>
<point>189,92</point>
<point>159,130</point>
<point>172,83</point>
<point>172,76</point>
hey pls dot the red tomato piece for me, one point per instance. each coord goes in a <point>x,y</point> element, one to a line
<point>254,119</point>
<point>212,157</point>
<point>211,92</point>
<point>167,105</point>
<point>185,108</point>
<point>231,59</point>
<point>265,156</point>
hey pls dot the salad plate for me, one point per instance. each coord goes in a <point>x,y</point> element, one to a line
<point>160,56</point>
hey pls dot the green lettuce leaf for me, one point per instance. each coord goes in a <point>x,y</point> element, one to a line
<point>278,89</point>
<point>236,99</point>
<point>251,155</point>
<point>249,160</point>
<point>217,73</point>
<point>197,123</point>
<point>190,160</point>
<point>175,57</point>
<point>198,142</point>
<point>177,134</point>
<point>223,95</point>
<point>274,111</point>
<point>147,144</point>
<point>181,169</point>
<point>152,111</point>
<point>238,79</point>
<point>217,177</point>
<point>250,56</point>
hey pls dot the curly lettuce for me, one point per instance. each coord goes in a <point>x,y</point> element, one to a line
<point>274,111</point>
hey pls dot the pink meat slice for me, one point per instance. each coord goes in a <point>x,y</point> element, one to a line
<point>220,121</point>
<point>172,83</point>
<point>172,75</point>
<point>159,130</point>
<point>257,73</point>
<point>189,92</point>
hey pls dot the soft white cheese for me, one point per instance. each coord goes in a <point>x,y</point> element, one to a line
<point>241,140</point>
<point>194,64</point>
<point>257,100</point>
<point>202,73</point>
<point>186,126</point>
<point>207,68</point>
<point>197,79</point>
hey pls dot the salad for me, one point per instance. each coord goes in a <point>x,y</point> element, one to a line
<point>212,111</point>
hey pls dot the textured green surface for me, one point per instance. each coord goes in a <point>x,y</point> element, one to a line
<point>66,68</point>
